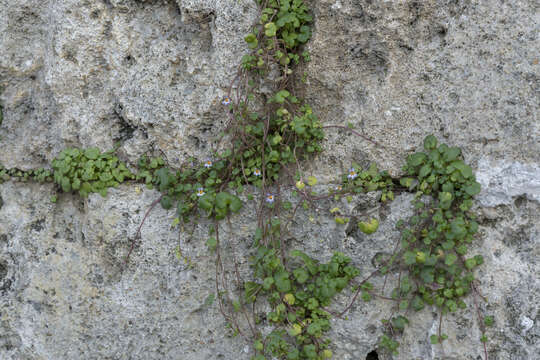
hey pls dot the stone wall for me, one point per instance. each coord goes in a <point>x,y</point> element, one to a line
<point>150,75</point>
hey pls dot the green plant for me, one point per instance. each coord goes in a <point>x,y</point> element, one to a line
<point>270,134</point>
<point>38,175</point>
<point>435,240</point>
<point>88,171</point>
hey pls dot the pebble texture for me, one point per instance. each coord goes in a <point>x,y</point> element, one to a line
<point>151,74</point>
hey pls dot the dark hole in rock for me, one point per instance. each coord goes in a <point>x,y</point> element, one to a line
<point>125,128</point>
<point>3,270</point>
<point>129,60</point>
<point>372,355</point>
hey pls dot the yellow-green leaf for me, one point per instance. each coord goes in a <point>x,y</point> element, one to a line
<point>369,227</point>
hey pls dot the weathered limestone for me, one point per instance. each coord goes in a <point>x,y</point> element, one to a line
<point>151,75</point>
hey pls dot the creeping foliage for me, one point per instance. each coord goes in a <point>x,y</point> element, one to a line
<point>89,170</point>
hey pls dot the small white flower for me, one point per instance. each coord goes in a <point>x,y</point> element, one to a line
<point>339,188</point>
<point>269,198</point>
<point>226,101</point>
<point>352,174</point>
<point>208,164</point>
<point>200,192</point>
<point>257,172</point>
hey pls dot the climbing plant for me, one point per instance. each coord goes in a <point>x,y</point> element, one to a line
<point>271,130</point>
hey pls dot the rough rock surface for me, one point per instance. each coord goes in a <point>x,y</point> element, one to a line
<point>151,74</point>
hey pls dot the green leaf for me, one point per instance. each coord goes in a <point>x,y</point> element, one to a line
<point>276,139</point>
<point>479,259</point>
<point>470,263</point>
<point>105,176</point>
<point>424,171</point>
<point>283,283</point>
<point>211,243</point>
<point>305,34</point>
<point>281,96</point>
<point>447,245</point>
<point>163,178</point>
<point>409,257</point>
<point>431,260</point>
<point>461,249</point>
<point>65,184</point>
<point>166,202</point>
<point>222,200</point>
<point>473,189</point>
<point>369,228</point>
<point>310,351</point>
<point>445,196</point>
<point>484,338</point>
<point>293,353</point>
<point>403,305</point>
<point>366,296</point>
<point>236,204</point>
<point>252,41</point>
<point>92,153</point>
<point>86,189</point>
<point>416,159</point>
<point>309,262</point>
<point>451,153</point>
<point>268,282</point>
<point>400,322</point>
<point>301,275</point>
<point>270,29</point>
<point>417,303</point>
<point>465,170</point>
<point>295,330</point>
<point>76,185</point>
<point>206,202</point>
<point>434,339</point>
<point>430,142</point>
<point>427,275</point>
<point>421,257</point>
<point>273,156</point>
<point>406,182</point>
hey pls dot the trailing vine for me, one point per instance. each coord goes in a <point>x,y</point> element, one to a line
<point>271,130</point>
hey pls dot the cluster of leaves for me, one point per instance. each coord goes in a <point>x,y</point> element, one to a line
<point>273,131</point>
<point>298,295</point>
<point>358,181</point>
<point>368,180</point>
<point>190,188</point>
<point>285,22</point>
<point>435,240</point>
<point>40,175</point>
<point>88,171</point>
<point>274,143</point>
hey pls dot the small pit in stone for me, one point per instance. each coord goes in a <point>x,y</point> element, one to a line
<point>372,355</point>
<point>3,271</point>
